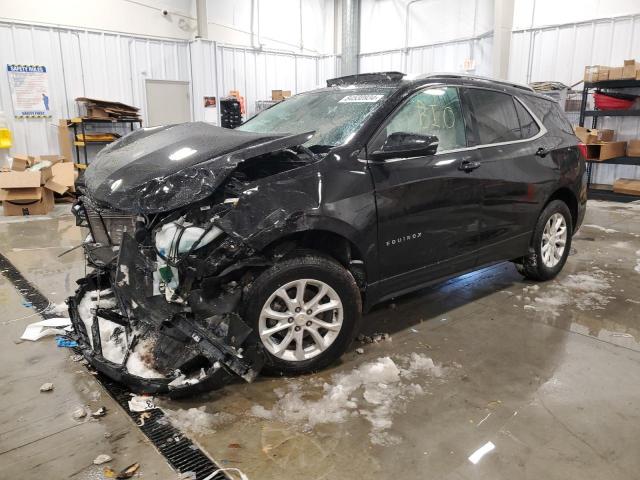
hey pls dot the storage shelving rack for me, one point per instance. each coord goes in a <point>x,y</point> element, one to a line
<point>79,124</point>
<point>595,114</point>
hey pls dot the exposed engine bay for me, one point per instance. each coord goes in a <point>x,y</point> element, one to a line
<point>173,253</point>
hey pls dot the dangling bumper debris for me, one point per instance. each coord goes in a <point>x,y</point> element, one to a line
<point>132,334</point>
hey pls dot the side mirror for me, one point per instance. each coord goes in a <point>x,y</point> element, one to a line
<point>406,145</point>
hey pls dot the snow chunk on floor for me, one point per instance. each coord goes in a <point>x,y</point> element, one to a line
<point>422,363</point>
<point>601,228</point>
<point>58,309</point>
<point>584,291</point>
<point>374,391</point>
<point>198,420</point>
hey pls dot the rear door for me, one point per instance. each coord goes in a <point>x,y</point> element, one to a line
<point>428,207</point>
<point>513,173</point>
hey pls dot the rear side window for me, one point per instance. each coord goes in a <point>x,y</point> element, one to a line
<point>528,126</point>
<point>494,115</point>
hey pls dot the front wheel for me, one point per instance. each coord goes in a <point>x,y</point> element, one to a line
<point>550,245</point>
<point>305,310</point>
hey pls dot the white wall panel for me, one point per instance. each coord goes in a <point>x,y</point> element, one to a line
<point>381,62</point>
<point>83,63</point>
<point>442,57</point>
<point>384,26</point>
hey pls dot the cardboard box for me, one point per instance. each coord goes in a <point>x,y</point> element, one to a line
<point>633,148</point>
<point>63,178</point>
<point>629,69</point>
<point>21,162</point>
<point>615,73</point>
<point>628,186</point>
<point>27,201</point>
<point>97,112</point>
<point>596,73</point>
<point>603,74</point>
<point>64,140</point>
<point>592,135</point>
<point>24,179</point>
<point>278,95</point>
<point>30,192</point>
<point>606,150</point>
<point>591,73</point>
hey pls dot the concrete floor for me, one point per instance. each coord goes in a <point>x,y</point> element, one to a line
<point>548,374</point>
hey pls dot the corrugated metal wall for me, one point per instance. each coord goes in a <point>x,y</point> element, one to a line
<point>115,67</point>
<point>83,63</point>
<point>255,73</point>
<point>561,52</point>
<point>440,57</point>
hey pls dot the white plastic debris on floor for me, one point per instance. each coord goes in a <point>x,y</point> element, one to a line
<point>44,328</point>
<point>374,391</point>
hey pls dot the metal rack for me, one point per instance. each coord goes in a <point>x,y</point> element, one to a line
<point>79,124</point>
<point>595,114</point>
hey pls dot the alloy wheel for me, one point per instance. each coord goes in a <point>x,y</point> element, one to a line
<point>554,239</point>
<point>300,320</point>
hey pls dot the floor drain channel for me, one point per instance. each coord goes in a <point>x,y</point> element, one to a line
<point>181,453</point>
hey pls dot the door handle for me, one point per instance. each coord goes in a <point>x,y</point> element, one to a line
<point>542,152</point>
<point>468,165</point>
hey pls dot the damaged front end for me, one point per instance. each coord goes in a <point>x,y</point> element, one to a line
<point>161,310</point>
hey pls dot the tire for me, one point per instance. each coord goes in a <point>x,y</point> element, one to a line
<point>316,270</point>
<point>539,265</point>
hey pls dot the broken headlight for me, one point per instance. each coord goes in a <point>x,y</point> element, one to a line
<point>173,241</point>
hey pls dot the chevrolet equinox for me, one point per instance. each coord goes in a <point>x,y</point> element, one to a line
<point>219,253</point>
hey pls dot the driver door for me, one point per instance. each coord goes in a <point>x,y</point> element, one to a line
<point>428,206</point>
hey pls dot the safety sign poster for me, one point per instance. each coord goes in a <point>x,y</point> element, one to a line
<point>29,90</point>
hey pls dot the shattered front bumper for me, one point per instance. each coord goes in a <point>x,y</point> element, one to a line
<point>137,331</point>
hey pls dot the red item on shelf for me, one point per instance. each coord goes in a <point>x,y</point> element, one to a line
<point>607,102</point>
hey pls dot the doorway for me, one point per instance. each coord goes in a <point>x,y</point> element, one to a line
<point>168,102</point>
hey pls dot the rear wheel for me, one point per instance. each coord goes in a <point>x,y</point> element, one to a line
<point>550,245</point>
<point>305,310</point>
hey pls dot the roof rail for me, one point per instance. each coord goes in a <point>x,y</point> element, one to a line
<point>479,77</point>
<point>366,78</point>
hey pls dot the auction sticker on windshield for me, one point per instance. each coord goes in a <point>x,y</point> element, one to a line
<point>360,99</point>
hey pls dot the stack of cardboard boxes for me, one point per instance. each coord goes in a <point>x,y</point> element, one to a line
<point>629,186</point>
<point>28,187</point>
<point>599,73</point>
<point>600,144</point>
<point>278,95</point>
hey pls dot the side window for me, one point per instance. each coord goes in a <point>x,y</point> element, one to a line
<point>495,116</point>
<point>434,111</point>
<point>528,125</point>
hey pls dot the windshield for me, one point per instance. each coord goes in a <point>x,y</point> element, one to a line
<point>334,115</point>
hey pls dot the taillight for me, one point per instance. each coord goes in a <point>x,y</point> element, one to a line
<point>583,150</point>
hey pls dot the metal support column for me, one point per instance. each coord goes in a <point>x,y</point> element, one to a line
<point>350,36</point>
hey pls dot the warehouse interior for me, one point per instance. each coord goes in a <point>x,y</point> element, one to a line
<point>484,374</point>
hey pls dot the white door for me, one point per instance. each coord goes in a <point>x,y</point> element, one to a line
<point>167,102</point>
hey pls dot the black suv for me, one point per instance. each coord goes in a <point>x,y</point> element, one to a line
<point>219,252</point>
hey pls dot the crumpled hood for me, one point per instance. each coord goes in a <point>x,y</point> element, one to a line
<point>158,169</point>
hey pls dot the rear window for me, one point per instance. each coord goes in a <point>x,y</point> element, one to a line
<point>528,126</point>
<point>494,115</point>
